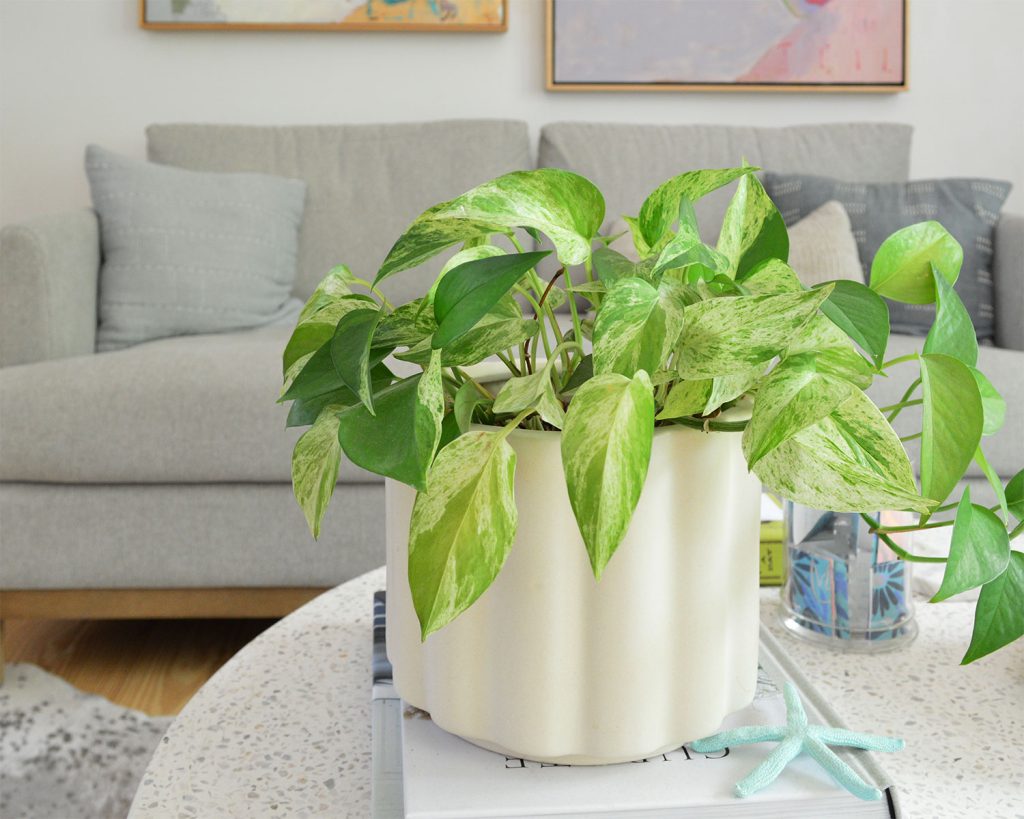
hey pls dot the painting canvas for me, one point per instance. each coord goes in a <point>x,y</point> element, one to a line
<point>727,44</point>
<point>361,15</point>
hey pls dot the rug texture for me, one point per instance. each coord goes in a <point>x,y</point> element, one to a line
<point>65,754</point>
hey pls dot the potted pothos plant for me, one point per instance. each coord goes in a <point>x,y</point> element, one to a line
<point>513,523</point>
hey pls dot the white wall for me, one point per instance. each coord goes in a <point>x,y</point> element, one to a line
<point>80,71</point>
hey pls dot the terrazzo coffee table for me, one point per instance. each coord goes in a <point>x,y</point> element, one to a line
<point>283,729</point>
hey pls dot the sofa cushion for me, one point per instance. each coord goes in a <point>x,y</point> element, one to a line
<point>184,410</point>
<point>628,161</point>
<point>366,182</point>
<point>967,208</point>
<point>822,247</point>
<point>187,252</point>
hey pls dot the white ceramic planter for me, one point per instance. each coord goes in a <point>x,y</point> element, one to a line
<point>550,665</point>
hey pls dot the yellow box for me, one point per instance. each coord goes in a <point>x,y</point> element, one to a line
<point>773,563</point>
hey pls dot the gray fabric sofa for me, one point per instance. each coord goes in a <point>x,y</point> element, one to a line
<point>167,465</point>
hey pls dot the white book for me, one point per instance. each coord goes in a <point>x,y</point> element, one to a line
<point>423,772</point>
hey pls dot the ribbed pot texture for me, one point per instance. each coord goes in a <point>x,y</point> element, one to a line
<point>551,665</point>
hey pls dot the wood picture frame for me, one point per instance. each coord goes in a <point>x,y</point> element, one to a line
<point>494,28</point>
<point>552,83</point>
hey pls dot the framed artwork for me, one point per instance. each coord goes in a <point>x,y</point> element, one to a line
<point>727,45</point>
<point>325,15</point>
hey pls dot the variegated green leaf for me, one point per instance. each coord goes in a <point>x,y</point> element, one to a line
<point>661,208</point>
<point>469,254</point>
<point>725,388</point>
<point>493,334</point>
<point>794,396</point>
<point>564,206</point>
<point>630,331</point>
<point>317,328</point>
<point>334,286</point>
<point>315,462</point>
<point>752,230</point>
<point>406,326</point>
<point>951,423</point>
<point>531,391</point>
<point>772,277</point>
<point>610,266</point>
<point>467,399</point>
<point>736,334</point>
<point>685,249</point>
<point>304,411</point>
<point>686,398</point>
<point>606,448</point>
<point>462,527</point>
<point>902,267</point>
<point>643,250</point>
<point>851,461</point>
<point>979,549</point>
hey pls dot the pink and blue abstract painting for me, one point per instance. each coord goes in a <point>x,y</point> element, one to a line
<point>747,43</point>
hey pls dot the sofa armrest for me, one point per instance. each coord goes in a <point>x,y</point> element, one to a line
<point>1008,278</point>
<point>49,274</point>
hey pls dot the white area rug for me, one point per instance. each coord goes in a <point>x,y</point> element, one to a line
<point>65,754</point>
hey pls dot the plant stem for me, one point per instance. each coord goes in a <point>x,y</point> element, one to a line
<point>707,424</point>
<point>369,286</point>
<point>538,307</point>
<point>901,405</point>
<point>898,550</point>
<point>1017,531</point>
<point>511,425</point>
<point>913,437</point>
<point>910,391</point>
<point>915,528</point>
<point>900,360</point>
<point>508,362</point>
<point>479,387</point>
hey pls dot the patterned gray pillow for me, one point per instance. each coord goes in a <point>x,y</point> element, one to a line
<point>187,252</point>
<point>968,208</point>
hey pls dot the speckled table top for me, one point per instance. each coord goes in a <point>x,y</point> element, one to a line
<point>283,729</point>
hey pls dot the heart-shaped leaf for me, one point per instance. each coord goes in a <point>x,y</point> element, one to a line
<point>993,405</point>
<point>902,267</point>
<point>531,391</point>
<point>610,266</point>
<point>630,330</point>
<point>952,422</point>
<point>315,462</point>
<point>468,292</point>
<point>661,208</point>
<point>686,398</point>
<point>462,528</point>
<point>304,411</point>
<point>999,616</point>
<point>793,397</point>
<point>979,550</point>
<point>467,399</point>
<point>317,328</point>
<point>851,461</point>
<point>400,440</point>
<point>752,230</point>
<point>860,313</point>
<point>350,352</point>
<point>606,448</point>
<point>332,287</point>
<point>736,334</point>
<point>952,332</point>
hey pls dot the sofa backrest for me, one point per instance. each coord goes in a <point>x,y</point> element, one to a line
<point>366,183</point>
<point>628,161</point>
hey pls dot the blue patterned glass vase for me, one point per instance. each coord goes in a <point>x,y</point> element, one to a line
<point>845,587</point>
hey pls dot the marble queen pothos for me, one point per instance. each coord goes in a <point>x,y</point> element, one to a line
<point>677,338</point>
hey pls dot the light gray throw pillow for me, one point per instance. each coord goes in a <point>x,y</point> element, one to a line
<point>822,247</point>
<point>187,252</point>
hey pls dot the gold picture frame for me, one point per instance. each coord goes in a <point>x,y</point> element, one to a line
<point>485,27</point>
<point>553,84</point>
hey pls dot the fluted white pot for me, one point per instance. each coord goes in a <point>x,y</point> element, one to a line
<point>550,664</point>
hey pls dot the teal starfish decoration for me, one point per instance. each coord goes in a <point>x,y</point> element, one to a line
<point>797,736</point>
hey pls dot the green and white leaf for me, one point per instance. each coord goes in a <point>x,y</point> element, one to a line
<point>730,335</point>
<point>534,391</point>
<point>902,267</point>
<point>999,616</point>
<point>661,208</point>
<point>315,462</point>
<point>686,398</point>
<point>467,399</point>
<point>631,330</point>
<point>469,254</point>
<point>304,411</point>
<point>606,449</point>
<point>462,527</point>
<point>952,332</point>
<point>793,397</point>
<point>862,315</point>
<point>725,388</point>
<point>979,549</point>
<point>350,352</point>
<point>752,230</point>
<point>406,326</point>
<point>316,329</point>
<point>951,426</point>
<point>851,461</point>
<point>332,287</point>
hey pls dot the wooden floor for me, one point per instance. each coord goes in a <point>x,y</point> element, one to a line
<point>150,665</point>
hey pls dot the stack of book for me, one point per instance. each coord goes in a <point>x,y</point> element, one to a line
<point>773,551</point>
<point>422,772</point>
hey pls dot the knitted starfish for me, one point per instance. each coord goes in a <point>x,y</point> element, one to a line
<point>793,738</point>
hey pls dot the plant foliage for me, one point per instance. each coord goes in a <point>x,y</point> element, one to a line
<point>676,338</point>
